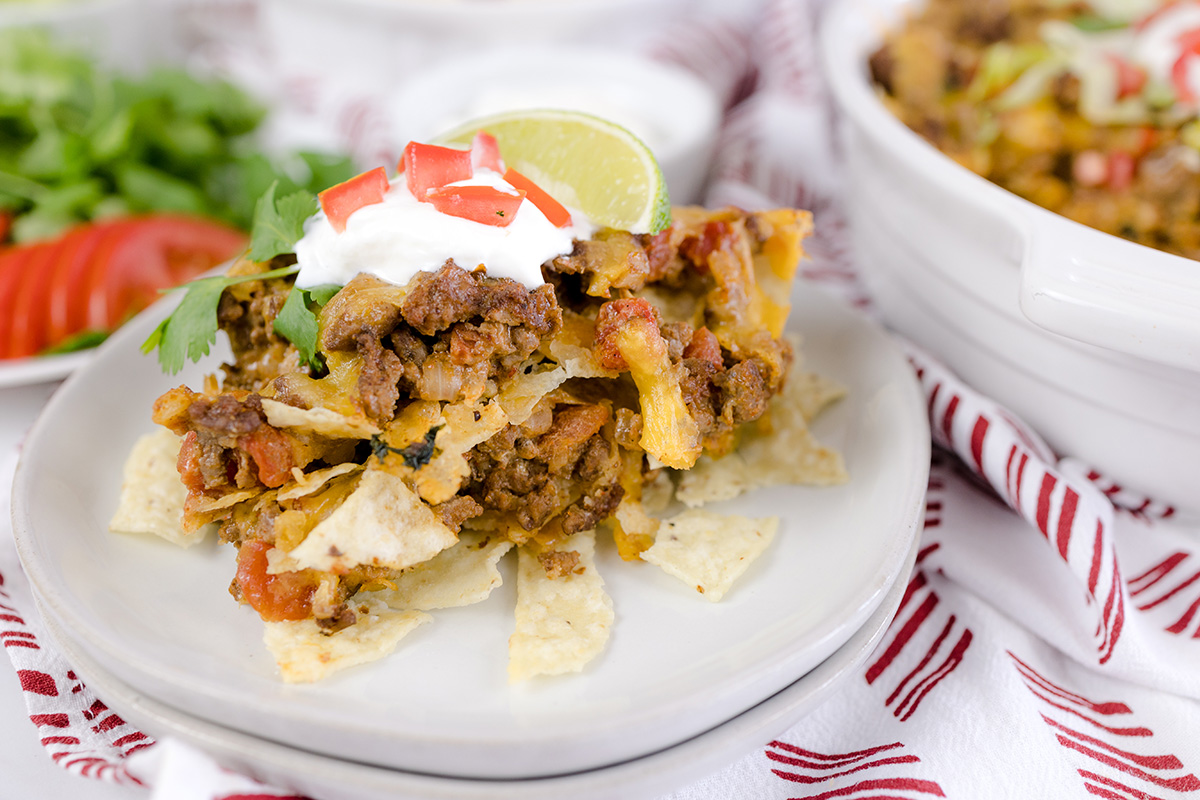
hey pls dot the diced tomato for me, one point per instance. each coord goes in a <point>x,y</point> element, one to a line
<point>698,248</point>
<point>140,256</point>
<point>13,266</point>
<point>555,212</point>
<point>485,152</point>
<point>704,346</point>
<point>483,204</point>
<point>340,201</point>
<point>1189,45</point>
<point>271,451</point>
<point>27,323</point>
<point>1121,168</point>
<point>1146,141</point>
<point>188,462</point>
<point>427,166</point>
<point>1130,77</point>
<point>276,598</point>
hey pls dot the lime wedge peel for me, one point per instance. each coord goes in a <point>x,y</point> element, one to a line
<point>581,160</point>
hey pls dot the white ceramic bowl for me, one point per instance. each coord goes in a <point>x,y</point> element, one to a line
<point>1094,340</point>
<point>669,108</point>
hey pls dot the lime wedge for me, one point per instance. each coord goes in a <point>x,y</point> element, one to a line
<point>582,161</point>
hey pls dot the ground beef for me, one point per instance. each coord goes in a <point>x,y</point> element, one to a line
<point>745,391</point>
<point>379,377</point>
<point>437,300</point>
<point>454,512</point>
<point>700,395</point>
<point>247,313</point>
<point>364,304</point>
<point>559,563</point>
<point>593,508</point>
<point>227,415</point>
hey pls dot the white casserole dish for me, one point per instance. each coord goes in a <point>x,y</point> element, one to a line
<point>1093,340</point>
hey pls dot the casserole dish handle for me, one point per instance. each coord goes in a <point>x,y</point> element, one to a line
<point>1103,290</point>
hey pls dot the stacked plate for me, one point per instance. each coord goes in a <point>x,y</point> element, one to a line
<point>684,687</point>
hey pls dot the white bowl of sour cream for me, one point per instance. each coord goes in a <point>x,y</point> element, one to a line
<point>668,108</point>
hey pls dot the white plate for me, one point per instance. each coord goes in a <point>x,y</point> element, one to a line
<point>160,618</point>
<point>649,776</point>
<point>41,369</point>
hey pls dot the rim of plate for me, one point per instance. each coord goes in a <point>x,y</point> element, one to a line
<point>656,773</point>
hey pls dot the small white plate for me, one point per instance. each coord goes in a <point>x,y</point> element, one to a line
<point>648,776</point>
<point>160,618</point>
<point>41,369</point>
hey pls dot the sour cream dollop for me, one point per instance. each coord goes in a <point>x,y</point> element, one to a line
<point>396,239</point>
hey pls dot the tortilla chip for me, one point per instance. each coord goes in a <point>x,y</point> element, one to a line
<point>320,421</point>
<point>458,576</point>
<point>573,347</point>
<point>152,495</point>
<point>779,450</point>
<point>466,426</point>
<point>522,394</point>
<point>382,523</point>
<point>710,551</point>
<point>305,654</point>
<point>306,484</point>
<point>562,623</point>
<point>658,493</point>
<point>811,393</point>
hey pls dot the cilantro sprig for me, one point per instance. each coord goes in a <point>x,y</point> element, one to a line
<point>191,329</point>
<point>297,321</point>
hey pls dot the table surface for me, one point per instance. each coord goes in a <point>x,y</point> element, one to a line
<point>28,773</point>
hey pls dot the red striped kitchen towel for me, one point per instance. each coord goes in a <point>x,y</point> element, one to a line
<point>1048,643</point>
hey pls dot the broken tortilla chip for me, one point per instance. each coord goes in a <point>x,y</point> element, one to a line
<point>152,495</point>
<point>458,576</point>
<point>321,421</point>
<point>466,426</point>
<point>305,653</point>
<point>382,523</point>
<point>710,551</point>
<point>780,450</point>
<point>522,394</point>
<point>562,623</point>
<point>309,483</point>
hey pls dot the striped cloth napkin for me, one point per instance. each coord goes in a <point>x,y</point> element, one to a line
<point>1048,643</point>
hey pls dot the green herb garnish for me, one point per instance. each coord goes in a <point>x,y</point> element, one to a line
<point>192,327</point>
<point>297,321</point>
<point>415,456</point>
<point>1093,23</point>
<point>278,225</point>
<point>84,340</point>
<point>79,143</point>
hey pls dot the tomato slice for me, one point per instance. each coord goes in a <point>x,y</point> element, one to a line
<point>340,201</point>
<point>67,305</point>
<point>14,262</point>
<point>428,166</point>
<point>555,211</point>
<point>485,152</point>
<point>28,323</point>
<point>484,204</point>
<point>138,257</point>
